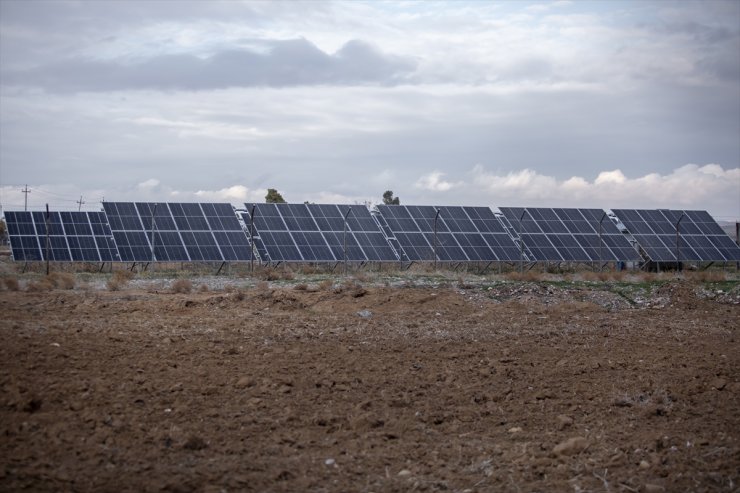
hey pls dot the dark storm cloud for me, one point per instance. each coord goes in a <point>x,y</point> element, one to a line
<point>285,63</point>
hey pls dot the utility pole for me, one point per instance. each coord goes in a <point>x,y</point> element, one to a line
<point>80,202</point>
<point>25,203</point>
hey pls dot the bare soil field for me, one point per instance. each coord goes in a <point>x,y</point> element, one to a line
<point>505,386</point>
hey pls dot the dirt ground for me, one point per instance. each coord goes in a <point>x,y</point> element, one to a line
<point>521,386</point>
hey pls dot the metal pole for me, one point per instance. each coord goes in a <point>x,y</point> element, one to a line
<point>26,191</point>
<point>47,238</point>
<point>435,239</point>
<point>154,211</point>
<point>521,242</point>
<point>737,241</point>
<point>251,239</point>
<point>601,245</point>
<point>80,202</point>
<point>344,239</point>
<point>678,251</point>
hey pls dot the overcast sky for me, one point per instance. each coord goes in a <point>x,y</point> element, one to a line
<point>565,104</point>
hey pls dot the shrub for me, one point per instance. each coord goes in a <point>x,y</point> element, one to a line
<point>114,284</point>
<point>301,287</point>
<point>708,276</point>
<point>268,274</point>
<point>119,279</point>
<point>203,288</point>
<point>182,286</point>
<point>123,275</point>
<point>326,284</point>
<point>11,284</point>
<point>528,275</point>
<point>39,286</point>
<point>62,280</point>
<point>351,287</point>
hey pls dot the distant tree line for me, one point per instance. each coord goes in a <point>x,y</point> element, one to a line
<point>274,197</point>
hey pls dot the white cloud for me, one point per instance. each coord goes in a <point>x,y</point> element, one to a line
<point>237,193</point>
<point>148,185</point>
<point>691,186</point>
<point>615,176</point>
<point>434,182</point>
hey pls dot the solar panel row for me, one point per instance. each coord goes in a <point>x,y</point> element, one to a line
<point>177,232</point>
<point>571,235</point>
<point>315,233</point>
<point>699,237</point>
<point>73,236</point>
<point>143,232</point>
<point>463,233</point>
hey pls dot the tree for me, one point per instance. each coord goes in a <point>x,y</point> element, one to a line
<point>274,197</point>
<point>389,199</point>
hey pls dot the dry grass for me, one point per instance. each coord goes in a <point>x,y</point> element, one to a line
<point>182,286</point>
<point>326,285</point>
<point>39,286</point>
<point>351,287</point>
<point>308,270</point>
<point>62,280</point>
<point>706,276</point>
<point>119,279</point>
<point>607,275</point>
<point>115,285</point>
<point>528,275</point>
<point>268,274</point>
<point>203,288</point>
<point>123,275</point>
<point>301,287</point>
<point>263,290</point>
<point>11,284</point>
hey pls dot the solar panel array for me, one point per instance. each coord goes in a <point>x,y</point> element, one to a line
<point>315,233</point>
<point>699,237</point>
<point>176,232</point>
<point>570,235</point>
<point>180,232</point>
<point>73,236</point>
<point>463,233</point>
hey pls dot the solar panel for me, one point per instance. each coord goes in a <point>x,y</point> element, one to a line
<point>177,232</point>
<point>463,233</point>
<point>315,233</point>
<point>23,239</point>
<point>699,236</point>
<point>73,236</point>
<point>572,235</point>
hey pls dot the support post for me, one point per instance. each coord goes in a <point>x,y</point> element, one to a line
<point>521,242</point>
<point>344,239</point>
<point>601,245</point>
<point>251,239</point>
<point>154,211</point>
<point>678,251</point>
<point>47,238</point>
<point>436,216</point>
<point>737,241</point>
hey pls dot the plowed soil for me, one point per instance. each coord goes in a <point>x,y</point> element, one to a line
<point>369,389</point>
